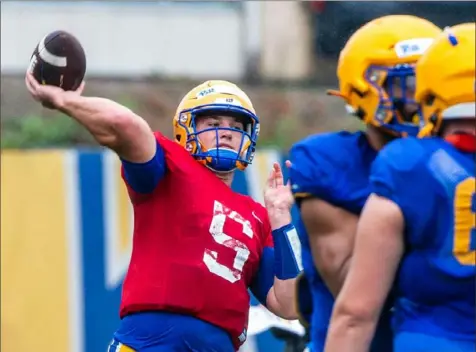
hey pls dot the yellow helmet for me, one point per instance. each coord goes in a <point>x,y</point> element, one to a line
<point>378,60</point>
<point>445,78</point>
<point>217,98</point>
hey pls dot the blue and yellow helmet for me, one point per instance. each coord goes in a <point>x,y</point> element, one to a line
<point>377,61</point>
<point>445,78</point>
<point>217,98</point>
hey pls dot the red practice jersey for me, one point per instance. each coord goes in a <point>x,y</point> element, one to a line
<point>196,246</point>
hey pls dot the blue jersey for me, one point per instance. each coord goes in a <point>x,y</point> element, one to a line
<point>434,185</point>
<point>334,167</point>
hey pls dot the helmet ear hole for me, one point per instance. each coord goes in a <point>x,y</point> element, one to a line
<point>178,137</point>
<point>430,99</point>
<point>360,113</point>
<point>358,92</point>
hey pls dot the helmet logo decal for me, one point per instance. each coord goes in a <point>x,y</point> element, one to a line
<point>205,92</point>
<point>183,118</point>
<point>412,47</point>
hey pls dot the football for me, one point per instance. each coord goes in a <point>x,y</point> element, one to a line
<point>59,60</point>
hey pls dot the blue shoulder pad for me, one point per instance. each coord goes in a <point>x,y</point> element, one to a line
<point>312,168</point>
<point>318,163</point>
<point>393,166</point>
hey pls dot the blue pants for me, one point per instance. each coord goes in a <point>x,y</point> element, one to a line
<point>415,342</point>
<point>168,332</point>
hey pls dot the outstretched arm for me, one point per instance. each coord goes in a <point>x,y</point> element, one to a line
<point>113,126</point>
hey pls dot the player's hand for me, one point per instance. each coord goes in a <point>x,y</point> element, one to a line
<point>49,96</point>
<point>278,198</point>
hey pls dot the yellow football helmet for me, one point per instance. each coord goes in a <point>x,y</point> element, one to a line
<point>217,98</point>
<point>445,78</point>
<point>376,71</point>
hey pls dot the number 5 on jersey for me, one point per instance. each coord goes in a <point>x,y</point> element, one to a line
<point>210,258</point>
<point>465,222</point>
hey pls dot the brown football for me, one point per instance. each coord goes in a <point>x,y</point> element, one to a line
<point>59,60</point>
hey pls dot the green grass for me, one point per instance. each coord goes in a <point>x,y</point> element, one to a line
<point>40,132</point>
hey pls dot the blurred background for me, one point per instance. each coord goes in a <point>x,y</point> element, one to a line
<point>65,217</point>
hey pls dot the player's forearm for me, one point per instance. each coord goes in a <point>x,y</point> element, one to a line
<point>112,125</point>
<point>342,273</point>
<point>288,261</point>
<point>287,265</point>
<point>279,220</point>
<point>282,299</point>
<point>275,282</point>
<point>347,333</point>
<point>102,117</point>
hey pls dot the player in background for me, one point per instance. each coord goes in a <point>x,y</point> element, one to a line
<point>421,219</point>
<point>330,171</point>
<point>197,245</point>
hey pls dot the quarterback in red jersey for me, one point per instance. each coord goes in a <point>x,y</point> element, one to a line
<point>198,246</point>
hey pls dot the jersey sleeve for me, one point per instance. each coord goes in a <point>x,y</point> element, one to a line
<point>383,180</point>
<point>311,173</point>
<point>268,242</point>
<point>143,178</point>
<point>396,175</point>
<point>264,277</point>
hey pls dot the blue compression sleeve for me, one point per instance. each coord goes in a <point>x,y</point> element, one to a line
<point>283,261</point>
<point>264,279</point>
<point>144,177</point>
<point>287,252</point>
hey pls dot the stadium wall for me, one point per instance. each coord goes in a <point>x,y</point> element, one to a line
<point>65,247</point>
<point>132,38</point>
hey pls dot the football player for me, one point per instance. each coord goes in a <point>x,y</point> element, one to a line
<point>198,245</point>
<point>421,219</point>
<point>329,172</point>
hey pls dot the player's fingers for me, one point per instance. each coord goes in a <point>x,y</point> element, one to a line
<point>35,86</point>
<point>279,178</point>
<point>270,182</point>
<point>288,164</point>
<point>29,86</point>
<point>32,81</point>
<point>27,82</point>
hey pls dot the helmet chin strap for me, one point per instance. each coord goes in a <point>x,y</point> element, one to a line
<point>222,159</point>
